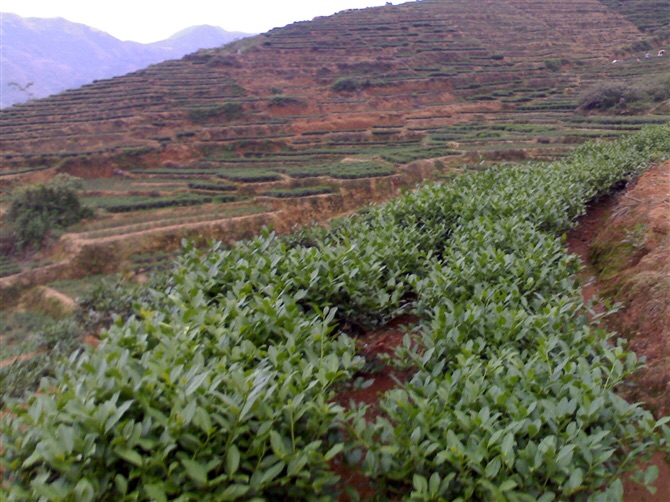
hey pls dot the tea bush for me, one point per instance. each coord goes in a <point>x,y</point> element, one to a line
<point>225,112</point>
<point>8,267</point>
<point>513,394</point>
<point>298,192</point>
<point>342,170</point>
<point>125,204</point>
<point>222,386</point>
<point>213,187</point>
<point>249,175</point>
<point>346,85</point>
<point>281,101</point>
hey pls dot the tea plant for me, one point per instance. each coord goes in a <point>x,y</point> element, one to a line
<point>222,385</point>
<point>249,175</point>
<point>298,192</point>
<point>214,187</point>
<point>8,266</point>
<point>342,170</point>
<point>225,112</point>
<point>513,395</point>
<point>125,204</point>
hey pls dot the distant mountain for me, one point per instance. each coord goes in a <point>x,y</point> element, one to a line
<point>198,37</point>
<point>40,57</point>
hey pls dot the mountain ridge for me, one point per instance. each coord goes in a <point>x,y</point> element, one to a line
<point>44,56</point>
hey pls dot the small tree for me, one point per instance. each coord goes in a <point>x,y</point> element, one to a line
<point>346,85</point>
<point>22,88</point>
<point>38,209</point>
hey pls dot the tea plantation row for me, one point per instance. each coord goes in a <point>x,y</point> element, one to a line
<point>223,388</point>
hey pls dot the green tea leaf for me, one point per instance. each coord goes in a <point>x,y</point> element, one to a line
<point>507,450</point>
<point>420,483</point>
<point>156,492</point>
<point>196,471</point>
<point>272,472</point>
<point>129,456</point>
<point>234,492</point>
<point>84,490</point>
<point>232,460</point>
<point>330,454</point>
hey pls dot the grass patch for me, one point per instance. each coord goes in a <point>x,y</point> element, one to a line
<point>148,221</point>
<point>76,288</point>
<point>250,175</point>
<point>122,204</point>
<point>160,260</point>
<point>126,184</point>
<point>18,330</point>
<point>297,192</point>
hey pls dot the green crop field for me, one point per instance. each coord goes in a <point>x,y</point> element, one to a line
<point>227,376</point>
<point>342,170</point>
<point>223,385</point>
<point>298,192</point>
<point>123,204</point>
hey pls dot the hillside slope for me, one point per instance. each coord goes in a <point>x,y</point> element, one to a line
<point>408,69</point>
<point>652,16</point>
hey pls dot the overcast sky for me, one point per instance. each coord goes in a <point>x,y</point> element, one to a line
<point>153,20</point>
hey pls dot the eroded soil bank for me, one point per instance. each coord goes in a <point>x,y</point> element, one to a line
<point>624,244</point>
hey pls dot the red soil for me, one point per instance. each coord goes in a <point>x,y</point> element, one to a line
<point>372,345</point>
<point>645,317</point>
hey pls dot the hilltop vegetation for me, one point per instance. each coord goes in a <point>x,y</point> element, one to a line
<point>650,16</point>
<point>630,97</point>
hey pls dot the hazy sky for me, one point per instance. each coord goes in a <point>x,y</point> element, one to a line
<point>152,20</point>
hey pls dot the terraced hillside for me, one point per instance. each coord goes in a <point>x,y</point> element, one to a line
<point>394,72</point>
<point>244,372</point>
<point>652,16</point>
<point>360,94</point>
